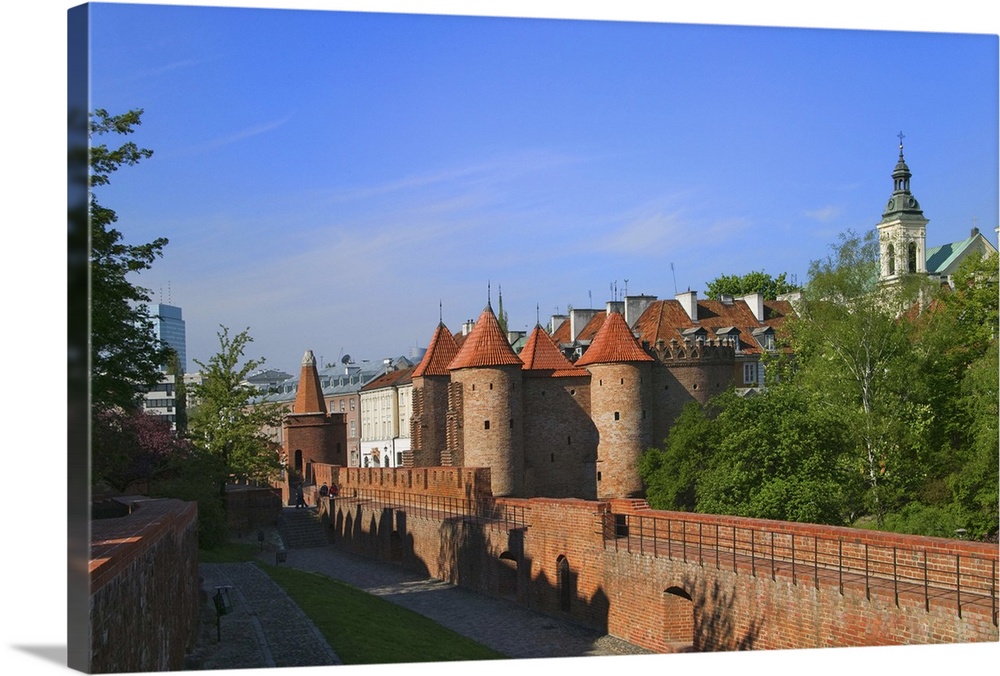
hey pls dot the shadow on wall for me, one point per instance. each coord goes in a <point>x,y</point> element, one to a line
<point>560,596</point>
<point>714,618</point>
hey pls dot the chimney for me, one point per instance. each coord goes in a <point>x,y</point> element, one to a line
<point>635,306</point>
<point>578,319</point>
<point>755,301</point>
<point>689,301</point>
<point>555,322</point>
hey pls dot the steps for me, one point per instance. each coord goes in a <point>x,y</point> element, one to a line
<point>301,528</point>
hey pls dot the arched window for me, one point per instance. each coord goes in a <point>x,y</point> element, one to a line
<point>890,253</point>
<point>563,583</point>
<point>911,257</point>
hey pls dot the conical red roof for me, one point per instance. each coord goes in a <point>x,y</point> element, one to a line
<point>541,355</point>
<point>309,396</point>
<point>440,352</point>
<point>486,345</point>
<point>613,343</point>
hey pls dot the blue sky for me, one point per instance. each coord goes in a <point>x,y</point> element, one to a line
<point>327,178</point>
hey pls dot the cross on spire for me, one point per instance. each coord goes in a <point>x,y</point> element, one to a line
<point>900,137</point>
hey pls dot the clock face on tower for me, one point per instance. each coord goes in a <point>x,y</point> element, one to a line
<point>889,206</point>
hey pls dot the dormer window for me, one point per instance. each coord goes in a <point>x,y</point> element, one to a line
<point>765,337</point>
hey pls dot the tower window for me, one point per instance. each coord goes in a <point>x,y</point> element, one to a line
<point>486,425</point>
<point>911,257</point>
<point>617,415</point>
<point>890,253</point>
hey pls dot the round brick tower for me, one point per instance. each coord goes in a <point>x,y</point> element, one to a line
<point>620,377</point>
<point>489,374</point>
<point>428,423</point>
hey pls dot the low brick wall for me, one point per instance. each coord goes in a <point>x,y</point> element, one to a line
<point>144,587</point>
<point>249,508</point>
<point>672,581</point>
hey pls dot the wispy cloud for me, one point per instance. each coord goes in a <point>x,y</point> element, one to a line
<point>824,214</point>
<point>237,136</point>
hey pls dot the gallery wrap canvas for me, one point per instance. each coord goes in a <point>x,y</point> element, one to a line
<point>343,181</point>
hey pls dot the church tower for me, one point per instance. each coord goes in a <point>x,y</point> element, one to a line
<point>902,232</point>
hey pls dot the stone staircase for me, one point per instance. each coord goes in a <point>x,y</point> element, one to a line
<point>301,528</point>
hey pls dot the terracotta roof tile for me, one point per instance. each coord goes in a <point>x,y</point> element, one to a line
<point>541,356</point>
<point>486,345</point>
<point>666,320</point>
<point>391,379</point>
<point>561,334</point>
<point>590,330</point>
<point>613,343</point>
<point>440,352</point>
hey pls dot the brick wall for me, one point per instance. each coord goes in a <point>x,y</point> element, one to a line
<point>249,508</point>
<point>493,424</point>
<point>144,588</point>
<point>620,408</point>
<point>672,581</point>
<point>560,439</point>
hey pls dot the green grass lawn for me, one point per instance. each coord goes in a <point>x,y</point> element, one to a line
<point>365,629</point>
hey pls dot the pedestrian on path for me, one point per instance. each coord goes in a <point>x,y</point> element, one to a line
<point>300,498</point>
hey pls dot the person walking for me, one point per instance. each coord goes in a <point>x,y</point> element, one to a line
<point>300,498</point>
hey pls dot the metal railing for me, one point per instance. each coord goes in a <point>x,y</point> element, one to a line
<point>931,575</point>
<point>487,511</point>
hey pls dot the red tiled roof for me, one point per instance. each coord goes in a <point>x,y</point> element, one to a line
<point>541,355</point>
<point>390,379</point>
<point>666,319</point>
<point>486,345</point>
<point>309,396</point>
<point>613,343</point>
<point>440,352</point>
<point>590,330</point>
<point>776,312</point>
<point>561,335</point>
<point>661,321</point>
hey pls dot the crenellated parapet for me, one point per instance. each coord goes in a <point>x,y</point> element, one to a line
<point>675,353</point>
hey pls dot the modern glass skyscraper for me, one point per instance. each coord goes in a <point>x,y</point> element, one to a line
<point>169,327</point>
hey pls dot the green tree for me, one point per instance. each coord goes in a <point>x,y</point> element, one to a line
<point>670,473</point>
<point>125,355</point>
<point>957,345</point>
<point>773,455</point>
<point>752,282</point>
<point>853,351</point>
<point>225,422</point>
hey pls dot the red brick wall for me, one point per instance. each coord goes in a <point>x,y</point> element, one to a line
<point>493,424</point>
<point>560,439</point>
<point>144,590</point>
<point>565,559</point>
<point>620,406</point>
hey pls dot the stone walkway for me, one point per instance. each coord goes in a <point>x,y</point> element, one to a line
<point>267,629</point>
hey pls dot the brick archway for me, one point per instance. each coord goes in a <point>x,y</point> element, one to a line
<point>564,583</point>
<point>678,619</point>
